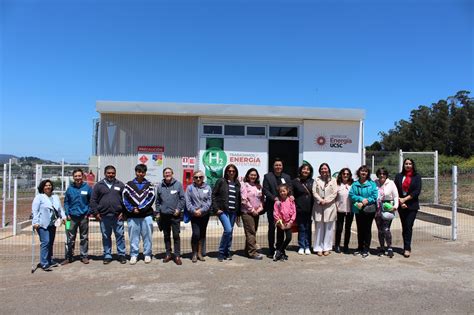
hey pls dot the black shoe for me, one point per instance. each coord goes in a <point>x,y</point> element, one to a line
<point>47,268</point>
<point>271,253</point>
<point>337,249</point>
<point>220,258</point>
<point>276,255</point>
<point>107,261</point>
<point>345,249</point>
<point>54,264</point>
<point>357,252</point>
<point>390,253</point>
<point>229,257</point>
<point>381,251</point>
<point>122,259</point>
<point>365,254</point>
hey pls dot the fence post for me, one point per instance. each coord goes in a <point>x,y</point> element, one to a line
<point>62,177</point>
<point>15,198</point>
<point>454,212</point>
<point>373,164</point>
<point>4,196</point>
<point>436,189</point>
<point>400,160</point>
<point>9,178</point>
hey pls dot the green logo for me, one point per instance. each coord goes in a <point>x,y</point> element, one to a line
<point>214,161</point>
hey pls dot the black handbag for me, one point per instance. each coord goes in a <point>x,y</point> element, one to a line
<point>369,208</point>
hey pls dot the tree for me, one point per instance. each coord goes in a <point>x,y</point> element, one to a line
<point>446,126</point>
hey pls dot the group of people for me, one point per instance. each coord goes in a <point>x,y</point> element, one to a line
<point>288,203</point>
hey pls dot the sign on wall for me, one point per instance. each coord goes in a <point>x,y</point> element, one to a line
<point>243,153</point>
<point>152,157</point>
<point>246,154</point>
<point>337,143</point>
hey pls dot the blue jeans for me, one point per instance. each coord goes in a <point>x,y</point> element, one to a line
<point>140,227</point>
<point>107,224</point>
<point>227,219</point>
<point>47,240</point>
<point>303,220</point>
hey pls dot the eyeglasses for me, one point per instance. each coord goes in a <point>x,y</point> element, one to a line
<point>198,177</point>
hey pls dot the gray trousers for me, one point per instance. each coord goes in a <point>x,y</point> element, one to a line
<point>83,224</point>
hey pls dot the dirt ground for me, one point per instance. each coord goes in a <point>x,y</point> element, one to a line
<point>438,278</point>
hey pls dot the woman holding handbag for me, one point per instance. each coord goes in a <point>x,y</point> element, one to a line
<point>387,204</point>
<point>47,215</point>
<point>363,195</point>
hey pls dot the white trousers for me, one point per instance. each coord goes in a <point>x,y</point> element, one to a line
<point>323,236</point>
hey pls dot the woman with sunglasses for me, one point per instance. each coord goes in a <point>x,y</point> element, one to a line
<point>387,204</point>
<point>226,204</point>
<point>408,183</point>
<point>198,204</point>
<point>343,206</point>
<point>363,196</point>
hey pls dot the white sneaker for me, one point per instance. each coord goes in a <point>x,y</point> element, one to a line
<point>307,251</point>
<point>147,259</point>
<point>301,251</point>
<point>133,260</point>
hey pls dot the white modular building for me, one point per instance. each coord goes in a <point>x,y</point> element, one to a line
<point>188,137</point>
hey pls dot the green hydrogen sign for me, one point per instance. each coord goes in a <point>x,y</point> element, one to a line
<point>214,161</point>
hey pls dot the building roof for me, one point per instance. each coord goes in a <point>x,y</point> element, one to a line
<point>228,110</point>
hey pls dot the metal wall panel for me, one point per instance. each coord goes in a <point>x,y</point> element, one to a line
<point>121,135</point>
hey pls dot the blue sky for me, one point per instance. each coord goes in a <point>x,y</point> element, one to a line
<point>59,57</point>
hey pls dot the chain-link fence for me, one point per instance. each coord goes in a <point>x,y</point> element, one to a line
<point>434,222</point>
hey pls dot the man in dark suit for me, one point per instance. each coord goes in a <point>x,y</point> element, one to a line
<point>270,184</point>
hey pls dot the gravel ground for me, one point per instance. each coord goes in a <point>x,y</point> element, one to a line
<point>438,278</point>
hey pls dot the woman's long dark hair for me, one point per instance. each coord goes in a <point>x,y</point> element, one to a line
<point>412,162</point>
<point>257,180</point>
<point>236,171</point>
<point>339,176</point>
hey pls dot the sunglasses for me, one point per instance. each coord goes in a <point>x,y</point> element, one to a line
<point>198,177</point>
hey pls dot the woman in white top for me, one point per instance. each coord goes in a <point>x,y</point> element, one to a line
<point>324,210</point>
<point>47,214</point>
<point>387,205</point>
<point>344,212</point>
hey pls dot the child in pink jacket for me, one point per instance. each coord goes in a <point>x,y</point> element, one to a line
<point>284,213</point>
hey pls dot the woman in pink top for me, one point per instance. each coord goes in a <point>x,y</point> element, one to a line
<point>387,205</point>
<point>284,213</point>
<point>252,207</point>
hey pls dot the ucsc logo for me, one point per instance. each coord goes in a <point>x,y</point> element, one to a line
<point>335,141</point>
